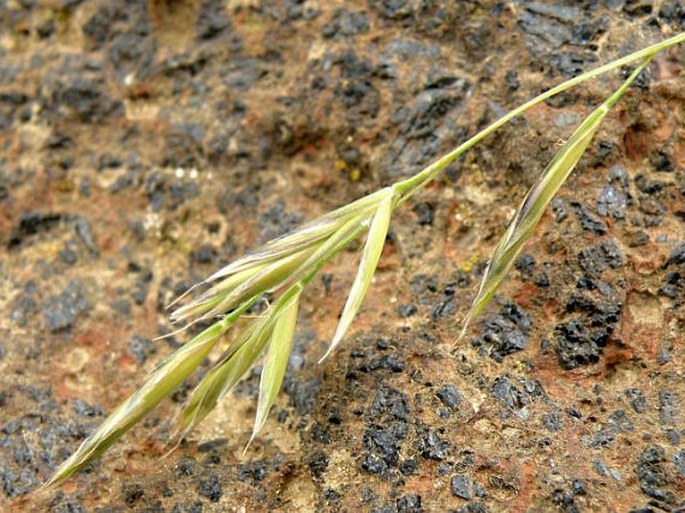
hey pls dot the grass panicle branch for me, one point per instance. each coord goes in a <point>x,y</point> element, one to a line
<point>284,267</point>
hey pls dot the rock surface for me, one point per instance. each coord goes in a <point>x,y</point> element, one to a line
<point>146,143</point>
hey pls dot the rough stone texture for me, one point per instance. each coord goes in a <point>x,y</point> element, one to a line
<point>145,143</point>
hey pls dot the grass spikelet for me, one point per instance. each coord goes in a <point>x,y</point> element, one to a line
<point>280,345</point>
<point>367,266</point>
<point>221,378</point>
<point>301,238</point>
<point>214,296</point>
<point>235,362</point>
<point>538,197</point>
<point>176,368</point>
<point>217,303</point>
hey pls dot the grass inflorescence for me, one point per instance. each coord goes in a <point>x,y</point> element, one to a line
<point>285,266</point>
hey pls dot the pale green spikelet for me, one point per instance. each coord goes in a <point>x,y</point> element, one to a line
<point>538,197</point>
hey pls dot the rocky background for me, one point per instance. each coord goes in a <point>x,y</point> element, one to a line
<point>143,144</point>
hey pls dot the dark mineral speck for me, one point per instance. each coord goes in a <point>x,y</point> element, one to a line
<point>383,439</point>
<point>465,488</point>
<point>525,264</point>
<point>132,493</point>
<point>679,462</point>
<point>587,220</point>
<point>575,346</point>
<point>382,446</point>
<point>24,306</point>
<point>410,503</point>
<point>84,409</point>
<point>62,503</point>
<point>669,410</point>
<point>449,396</point>
<point>604,471</point>
<point>205,254</point>
<point>32,223</point>
<point>276,221</point>
<point>637,8</point>
<point>597,258</point>
<point>84,232</point>
<point>677,256</point>
<point>564,498</point>
<point>210,487</point>
<point>472,507</point>
<point>81,94</point>
<point>504,333</point>
<point>509,395</point>
<point>443,310</point>
<point>647,186</point>
<point>317,462</point>
<point>560,209</point>
<point>653,475</point>
<point>637,400</point>
<point>253,471</point>
<point>212,445</point>
<point>581,339</point>
<point>186,467</point>
<point>433,447</point>
<point>512,80</point>
<point>408,467</point>
<point>638,239</point>
<point>662,162</point>
<point>407,310</point>
<point>619,422</point>
<point>425,212</point>
<point>612,203</point>
<point>60,311</point>
<point>303,395</point>
<point>552,421</point>
<point>212,20</point>
<point>188,507</point>
<point>346,23</point>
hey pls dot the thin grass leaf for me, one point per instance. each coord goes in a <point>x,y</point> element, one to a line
<point>176,368</point>
<point>234,363</point>
<point>538,197</point>
<point>280,345</point>
<point>367,266</point>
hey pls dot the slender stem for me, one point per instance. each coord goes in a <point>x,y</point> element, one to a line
<point>407,188</point>
<point>614,98</point>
